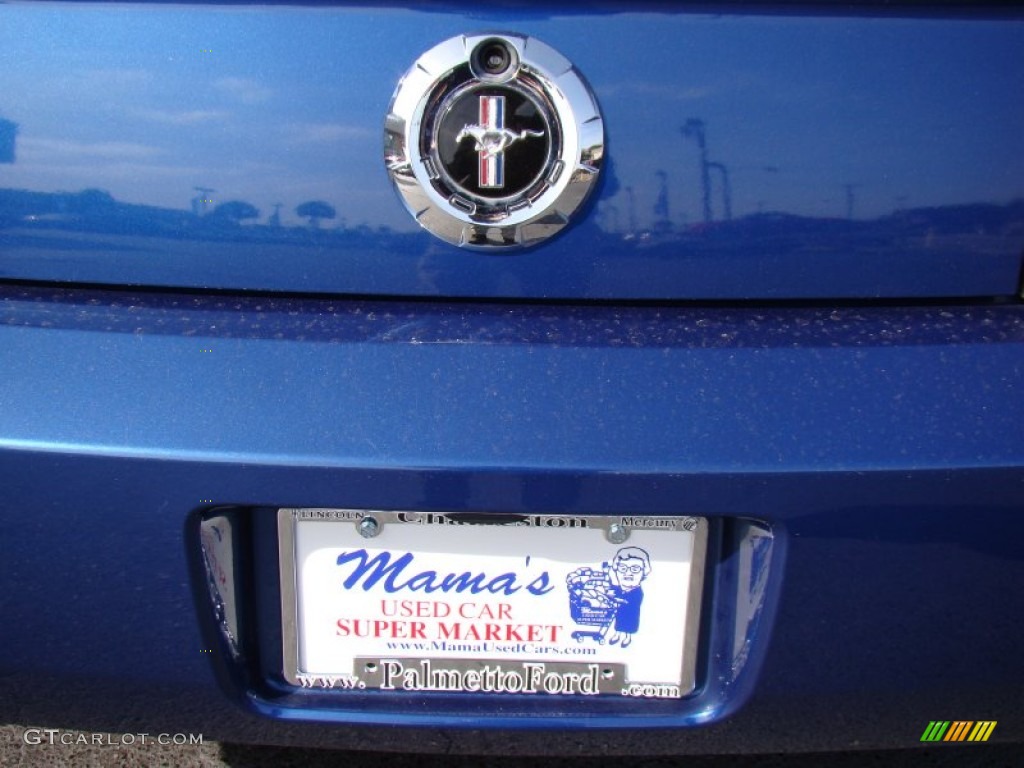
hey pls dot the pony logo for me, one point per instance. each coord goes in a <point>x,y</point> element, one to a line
<point>492,139</point>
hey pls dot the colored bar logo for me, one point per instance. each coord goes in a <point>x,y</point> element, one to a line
<point>958,730</point>
<point>492,164</point>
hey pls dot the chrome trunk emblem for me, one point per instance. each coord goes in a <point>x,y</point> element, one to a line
<point>493,141</point>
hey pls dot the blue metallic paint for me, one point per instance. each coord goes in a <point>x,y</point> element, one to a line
<point>871,452</point>
<point>881,443</point>
<point>865,156</point>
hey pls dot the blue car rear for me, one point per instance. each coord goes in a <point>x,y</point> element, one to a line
<point>789,310</point>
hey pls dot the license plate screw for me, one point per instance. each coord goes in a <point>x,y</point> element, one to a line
<point>617,533</point>
<point>368,527</point>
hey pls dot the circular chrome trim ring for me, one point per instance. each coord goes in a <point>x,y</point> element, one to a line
<point>481,222</point>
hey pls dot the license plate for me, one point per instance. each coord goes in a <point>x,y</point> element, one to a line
<point>524,604</point>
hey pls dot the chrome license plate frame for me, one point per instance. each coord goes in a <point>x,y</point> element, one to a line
<point>491,603</point>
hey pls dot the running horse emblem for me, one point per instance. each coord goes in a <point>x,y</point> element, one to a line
<point>492,138</point>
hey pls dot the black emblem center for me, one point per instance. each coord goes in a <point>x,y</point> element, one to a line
<point>493,141</point>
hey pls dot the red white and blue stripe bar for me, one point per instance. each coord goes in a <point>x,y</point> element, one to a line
<point>492,118</point>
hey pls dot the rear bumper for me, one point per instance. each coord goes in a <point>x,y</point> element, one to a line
<point>881,445</point>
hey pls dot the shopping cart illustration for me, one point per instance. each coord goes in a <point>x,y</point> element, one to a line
<point>591,602</point>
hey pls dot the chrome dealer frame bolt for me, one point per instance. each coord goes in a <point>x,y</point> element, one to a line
<point>368,527</point>
<point>617,533</point>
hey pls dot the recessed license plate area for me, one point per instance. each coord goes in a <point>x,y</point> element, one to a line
<point>540,604</point>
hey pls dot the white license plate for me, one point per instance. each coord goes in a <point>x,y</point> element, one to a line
<point>545,604</point>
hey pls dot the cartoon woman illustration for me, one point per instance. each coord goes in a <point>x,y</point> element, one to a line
<point>630,566</point>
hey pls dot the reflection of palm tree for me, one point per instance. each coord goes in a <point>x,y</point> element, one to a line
<point>694,129</point>
<point>661,218</point>
<point>315,210</point>
<point>235,212</point>
<point>726,189</point>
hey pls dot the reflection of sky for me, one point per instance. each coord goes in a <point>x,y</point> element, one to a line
<point>280,110</point>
